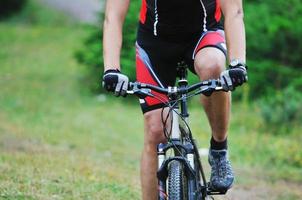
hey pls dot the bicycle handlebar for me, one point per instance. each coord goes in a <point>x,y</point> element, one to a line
<point>205,87</point>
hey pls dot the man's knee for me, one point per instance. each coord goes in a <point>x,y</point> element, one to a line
<point>209,63</point>
<point>153,128</point>
<point>209,69</point>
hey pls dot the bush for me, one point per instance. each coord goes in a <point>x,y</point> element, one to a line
<point>90,56</point>
<point>266,77</point>
<point>283,111</point>
<point>9,7</point>
<point>274,45</point>
<point>274,31</point>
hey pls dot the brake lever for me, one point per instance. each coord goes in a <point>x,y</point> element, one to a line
<point>143,93</point>
<point>209,89</point>
<point>205,91</point>
<point>140,92</point>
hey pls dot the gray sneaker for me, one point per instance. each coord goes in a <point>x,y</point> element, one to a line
<point>222,176</point>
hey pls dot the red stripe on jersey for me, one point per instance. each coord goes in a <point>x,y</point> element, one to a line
<point>143,12</point>
<point>218,11</point>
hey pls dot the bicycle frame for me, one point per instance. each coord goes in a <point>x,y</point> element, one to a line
<point>180,139</point>
<point>184,150</point>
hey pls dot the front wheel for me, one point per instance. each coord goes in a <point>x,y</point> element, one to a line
<point>177,188</point>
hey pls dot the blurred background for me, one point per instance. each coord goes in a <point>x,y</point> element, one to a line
<point>62,137</point>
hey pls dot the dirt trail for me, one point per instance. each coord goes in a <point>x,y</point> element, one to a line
<point>81,10</point>
<point>259,186</point>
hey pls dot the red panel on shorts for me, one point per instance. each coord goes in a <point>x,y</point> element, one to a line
<point>143,75</point>
<point>210,39</point>
<point>143,12</point>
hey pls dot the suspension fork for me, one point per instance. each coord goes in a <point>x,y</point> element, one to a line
<point>177,136</point>
<point>161,156</point>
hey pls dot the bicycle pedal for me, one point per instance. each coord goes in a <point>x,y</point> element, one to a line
<point>211,191</point>
<point>216,192</point>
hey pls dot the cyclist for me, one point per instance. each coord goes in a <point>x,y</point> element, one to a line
<point>169,32</point>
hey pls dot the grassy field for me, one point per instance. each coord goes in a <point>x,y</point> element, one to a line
<point>57,141</point>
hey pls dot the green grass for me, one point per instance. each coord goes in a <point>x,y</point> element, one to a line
<point>57,141</point>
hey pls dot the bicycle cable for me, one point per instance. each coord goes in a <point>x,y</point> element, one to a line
<point>167,133</point>
<point>188,136</point>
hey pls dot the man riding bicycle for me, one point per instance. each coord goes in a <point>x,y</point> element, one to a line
<point>170,32</point>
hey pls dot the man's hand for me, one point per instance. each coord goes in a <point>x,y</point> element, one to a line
<point>115,81</point>
<point>233,77</point>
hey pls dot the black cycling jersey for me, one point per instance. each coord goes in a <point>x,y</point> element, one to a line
<point>179,17</point>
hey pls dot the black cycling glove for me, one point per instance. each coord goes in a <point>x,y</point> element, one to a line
<point>233,77</point>
<point>115,81</point>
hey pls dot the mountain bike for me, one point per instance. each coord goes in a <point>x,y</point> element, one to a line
<point>180,173</point>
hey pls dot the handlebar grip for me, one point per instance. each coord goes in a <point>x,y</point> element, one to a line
<point>138,85</point>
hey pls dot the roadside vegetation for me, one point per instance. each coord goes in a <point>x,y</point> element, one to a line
<point>59,140</point>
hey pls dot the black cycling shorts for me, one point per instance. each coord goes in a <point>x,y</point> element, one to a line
<point>157,58</point>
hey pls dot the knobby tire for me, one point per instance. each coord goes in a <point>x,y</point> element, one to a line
<point>177,189</point>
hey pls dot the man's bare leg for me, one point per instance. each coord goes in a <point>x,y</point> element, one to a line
<point>153,136</point>
<point>209,63</point>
